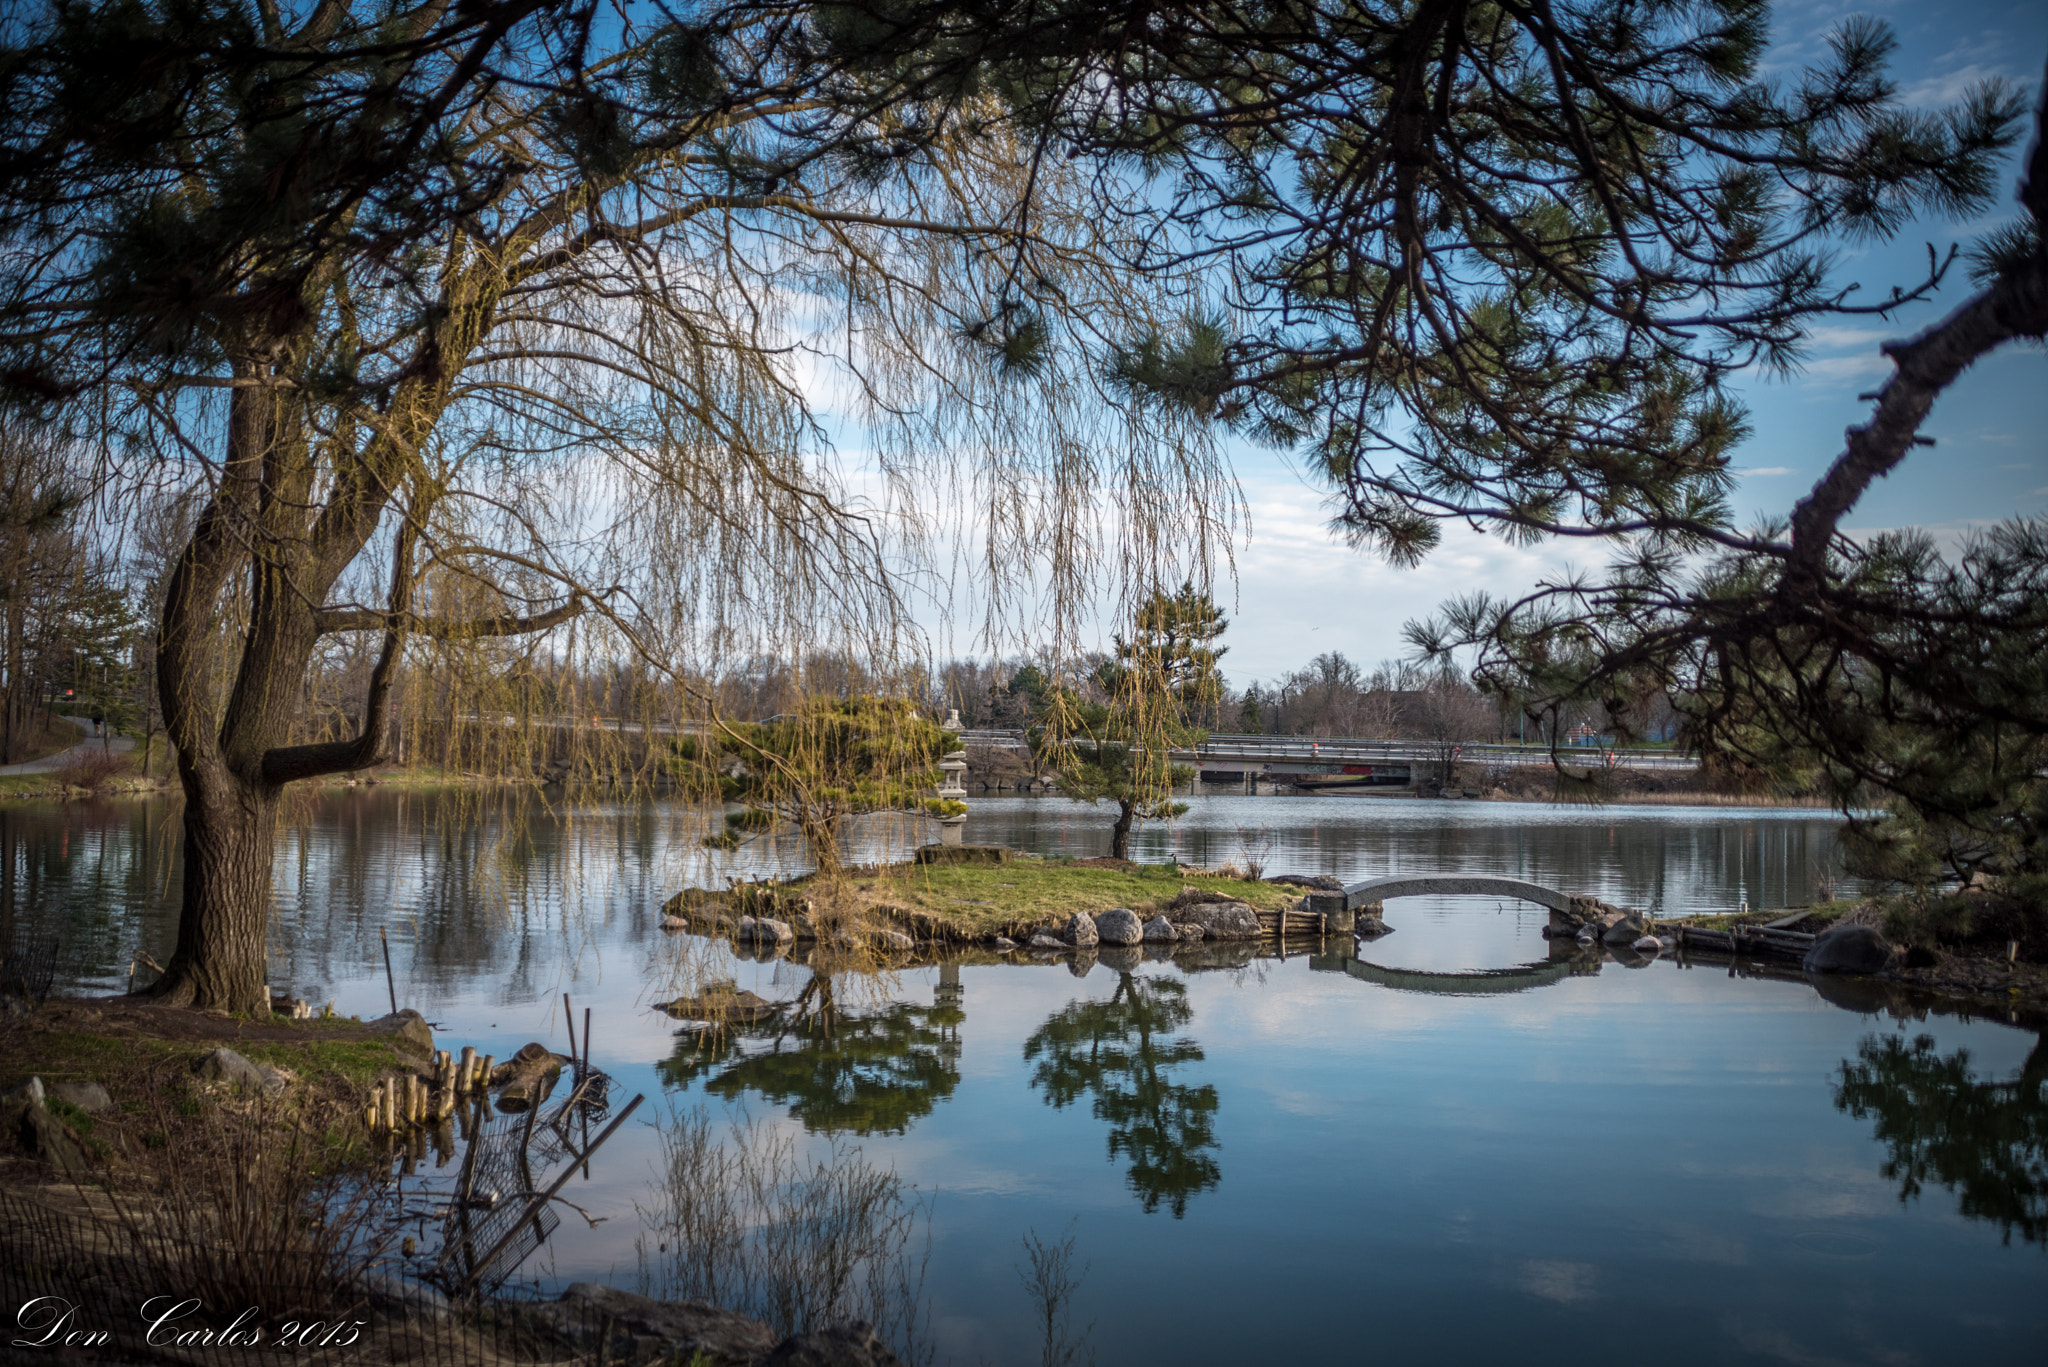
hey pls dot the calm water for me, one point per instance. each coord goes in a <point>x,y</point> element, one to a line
<point>1258,1161</point>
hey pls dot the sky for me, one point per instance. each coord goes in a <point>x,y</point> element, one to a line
<point>1300,592</point>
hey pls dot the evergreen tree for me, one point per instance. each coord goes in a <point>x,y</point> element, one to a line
<point>1152,690</point>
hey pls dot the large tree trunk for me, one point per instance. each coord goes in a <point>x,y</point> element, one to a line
<point>222,956</point>
<point>1120,834</point>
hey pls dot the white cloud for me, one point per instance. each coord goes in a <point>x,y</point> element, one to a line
<point>1765,471</point>
<point>1837,369</point>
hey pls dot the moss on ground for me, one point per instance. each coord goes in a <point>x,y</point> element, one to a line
<point>975,901</point>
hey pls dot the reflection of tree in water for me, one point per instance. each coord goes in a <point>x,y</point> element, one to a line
<point>838,1071</point>
<point>1118,1051</point>
<point>1988,1141</point>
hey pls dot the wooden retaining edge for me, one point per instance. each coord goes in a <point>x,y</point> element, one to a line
<point>1280,922</point>
<point>1746,939</point>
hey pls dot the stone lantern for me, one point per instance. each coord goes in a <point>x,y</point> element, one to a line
<point>952,766</point>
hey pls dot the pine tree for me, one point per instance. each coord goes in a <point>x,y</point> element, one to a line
<point>1151,693</point>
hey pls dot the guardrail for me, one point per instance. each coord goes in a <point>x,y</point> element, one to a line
<point>1355,749</point>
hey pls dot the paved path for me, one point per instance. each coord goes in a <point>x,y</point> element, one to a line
<point>64,759</point>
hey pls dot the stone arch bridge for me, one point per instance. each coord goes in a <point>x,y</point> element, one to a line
<point>1373,890</point>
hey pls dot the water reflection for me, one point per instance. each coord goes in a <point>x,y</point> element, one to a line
<point>1985,1141</point>
<point>1121,1052</point>
<point>864,1072</point>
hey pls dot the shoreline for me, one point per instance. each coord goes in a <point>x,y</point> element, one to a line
<point>46,788</point>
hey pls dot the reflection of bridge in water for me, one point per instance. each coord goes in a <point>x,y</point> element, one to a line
<point>1566,959</point>
<point>1478,983</point>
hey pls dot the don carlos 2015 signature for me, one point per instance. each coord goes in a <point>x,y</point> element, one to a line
<point>166,1322</point>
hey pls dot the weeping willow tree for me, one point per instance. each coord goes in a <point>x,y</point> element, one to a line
<point>483,334</point>
<point>833,760</point>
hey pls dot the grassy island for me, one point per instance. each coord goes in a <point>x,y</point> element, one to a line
<point>971,901</point>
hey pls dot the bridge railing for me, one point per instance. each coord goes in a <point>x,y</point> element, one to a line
<point>1359,749</point>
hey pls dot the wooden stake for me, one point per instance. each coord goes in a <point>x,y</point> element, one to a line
<point>465,1074</point>
<point>390,983</point>
<point>389,1104</point>
<point>569,1020</point>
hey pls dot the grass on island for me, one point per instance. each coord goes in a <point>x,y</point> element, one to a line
<point>974,901</point>
<point>1829,912</point>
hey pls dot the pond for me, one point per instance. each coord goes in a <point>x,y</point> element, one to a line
<point>1255,1160</point>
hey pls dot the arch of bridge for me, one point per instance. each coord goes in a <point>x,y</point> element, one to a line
<point>1450,884</point>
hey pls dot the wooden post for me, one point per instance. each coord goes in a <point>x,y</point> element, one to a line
<point>389,1105</point>
<point>373,1117</point>
<point>390,983</point>
<point>569,1021</point>
<point>465,1073</point>
<point>483,1073</point>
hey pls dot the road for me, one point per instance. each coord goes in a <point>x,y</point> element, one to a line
<point>64,759</point>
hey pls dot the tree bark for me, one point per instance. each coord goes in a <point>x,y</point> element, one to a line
<point>1120,834</point>
<point>222,957</point>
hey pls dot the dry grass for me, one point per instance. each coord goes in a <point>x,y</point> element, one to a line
<point>749,1223</point>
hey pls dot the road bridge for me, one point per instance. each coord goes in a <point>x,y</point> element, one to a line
<point>1292,751</point>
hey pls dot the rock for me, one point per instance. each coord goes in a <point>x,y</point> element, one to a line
<point>1002,942</point>
<point>675,923</point>
<point>962,854</point>
<point>1848,949</point>
<point>41,1135</point>
<point>1371,926</point>
<point>1121,958</point>
<point>1159,930</point>
<point>892,941</point>
<point>399,1294</point>
<point>1194,897</point>
<point>720,1003</point>
<point>1223,920</point>
<point>1920,956</point>
<point>526,1078</point>
<point>1045,939</point>
<point>31,1093</point>
<point>409,1029</point>
<point>1081,961</point>
<point>1119,926</point>
<point>89,1097</point>
<point>763,930</point>
<point>1626,929</point>
<point>1191,933</point>
<point>647,1330</point>
<point>1081,932</point>
<point>853,1344</point>
<point>227,1066</point>
<point>804,926</point>
<point>1648,944</point>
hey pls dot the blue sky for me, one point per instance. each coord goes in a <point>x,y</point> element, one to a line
<point>1300,592</point>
